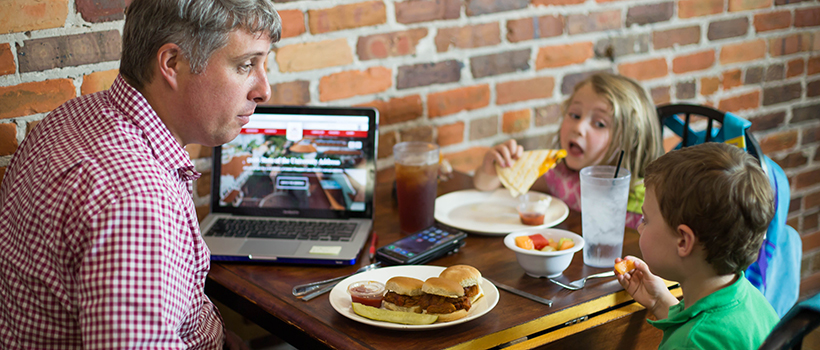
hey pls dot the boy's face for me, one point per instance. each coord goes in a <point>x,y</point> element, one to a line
<point>658,240</point>
<point>586,128</point>
<point>215,104</point>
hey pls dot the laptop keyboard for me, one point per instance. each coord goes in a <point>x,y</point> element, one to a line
<point>282,229</point>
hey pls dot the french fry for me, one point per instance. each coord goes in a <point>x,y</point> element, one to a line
<point>393,316</point>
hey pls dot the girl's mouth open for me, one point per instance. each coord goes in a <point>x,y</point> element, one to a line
<point>575,150</point>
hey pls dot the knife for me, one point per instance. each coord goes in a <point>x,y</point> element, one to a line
<point>521,293</point>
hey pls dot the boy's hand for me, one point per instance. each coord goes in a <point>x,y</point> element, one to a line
<point>502,154</point>
<point>647,289</point>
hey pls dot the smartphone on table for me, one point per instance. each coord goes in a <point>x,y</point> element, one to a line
<point>423,246</point>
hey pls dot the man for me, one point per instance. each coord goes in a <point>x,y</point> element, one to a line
<point>100,239</point>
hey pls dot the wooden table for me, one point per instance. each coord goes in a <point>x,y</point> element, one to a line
<point>600,316</point>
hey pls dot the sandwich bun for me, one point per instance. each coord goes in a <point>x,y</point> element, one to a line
<point>404,285</point>
<point>442,286</point>
<point>390,306</point>
<point>466,276</point>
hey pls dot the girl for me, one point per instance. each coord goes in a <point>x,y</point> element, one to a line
<point>605,114</point>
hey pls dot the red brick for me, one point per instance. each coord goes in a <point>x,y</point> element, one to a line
<point>7,65</point>
<point>290,93</point>
<point>709,85</point>
<point>398,109</point>
<point>96,11</point>
<point>37,97</point>
<point>792,160</point>
<point>293,23</point>
<point>98,81</point>
<point>795,67</point>
<point>353,83</point>
<point>69,50</point>
<point>697,8</point>
<point>732,79</point>
<point>314,55</point>
<point>516,121</point>
<point>779,141</point>
<point>693,62</point>
<point>813,200</point>
<point>522,90</point>
<point>8,138</point>
<point>31,125</point>
<point>483,127</point>
<point>769,121</point>
<point>806,179</point>
<point>810,221</point>
<point>780,94</point>
<point>660,95</point>
<point>471,36</point>
<point>525,28</point>
<point>805,114</point>
<point>811,135</point>
<point>456,100</point>
<point>810,241</point>
<point>788,45</point>
<point>742,52</point>
<point>467,161</point>
<point>767,21</point>
<point>813,65</point>
<point>729,28</point>
<point>680,36</point>
<point>451,134</point>
<point>745,5</point>
<point>548,115</point>
<point>645,70</point>
<point>389,44</point>
<point>415,11</point>
<point>813,88</point>
<point>749,100</point>
<point>556,2</point>
<point>807,17</point>
<point>362,14</point>
<point>26,15</point>
<point>386,142</point>
<point>500,63</point>
<point>483,7</point>
<point>424,74</point>
<point>594,22</point>
<point>422,133</point>
<point>563,55</point>
<point>652,13</point>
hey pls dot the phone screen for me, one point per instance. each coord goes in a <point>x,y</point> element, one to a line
<point>419,242</point>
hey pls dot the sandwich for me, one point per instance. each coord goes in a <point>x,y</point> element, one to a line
<point>403,294</point>
<point>445,298</point>
<point>519,177</point>
<point>467,277</point>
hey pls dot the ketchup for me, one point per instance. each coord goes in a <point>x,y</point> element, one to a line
<point>368,293</point>
<point>532,219</point>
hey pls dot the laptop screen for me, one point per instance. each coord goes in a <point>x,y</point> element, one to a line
<point>310,162</point>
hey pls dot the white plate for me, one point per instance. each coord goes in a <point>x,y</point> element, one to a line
<point>491,213</point>
<point>340,300</point>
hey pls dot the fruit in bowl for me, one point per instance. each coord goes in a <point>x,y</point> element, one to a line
<point>544,262</point>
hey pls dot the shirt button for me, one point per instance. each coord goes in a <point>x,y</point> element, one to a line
<point>189,173</point>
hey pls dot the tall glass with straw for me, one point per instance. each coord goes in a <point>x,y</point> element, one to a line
<point>604,196</point>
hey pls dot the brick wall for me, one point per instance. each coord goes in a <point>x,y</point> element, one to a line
<point>468,74</point>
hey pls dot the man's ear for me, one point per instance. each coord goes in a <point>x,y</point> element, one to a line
<point>169,63</point>
<point>686,240</point>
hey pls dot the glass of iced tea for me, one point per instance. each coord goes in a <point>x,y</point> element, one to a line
<point>416,182</point>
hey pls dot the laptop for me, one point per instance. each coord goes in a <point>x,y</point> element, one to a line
<point>296,186</point>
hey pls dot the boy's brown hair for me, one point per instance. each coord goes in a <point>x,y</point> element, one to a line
<point>722,194</point>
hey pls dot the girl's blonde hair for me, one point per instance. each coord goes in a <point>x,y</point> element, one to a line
<point>636,128</point>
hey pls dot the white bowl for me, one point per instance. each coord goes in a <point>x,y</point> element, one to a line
<point>544,264</point>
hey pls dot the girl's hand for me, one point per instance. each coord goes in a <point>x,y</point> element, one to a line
<point>502,154</point>
<point>647,289</point>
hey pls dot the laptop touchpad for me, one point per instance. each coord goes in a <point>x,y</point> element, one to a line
<point>268,248</point>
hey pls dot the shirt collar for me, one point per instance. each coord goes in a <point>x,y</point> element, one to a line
<point>135,108</point>
<point>678,315</point>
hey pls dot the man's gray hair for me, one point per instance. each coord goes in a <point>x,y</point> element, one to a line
<point>199,27</point>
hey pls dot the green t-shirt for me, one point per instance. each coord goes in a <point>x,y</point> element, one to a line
<point>735,317</point>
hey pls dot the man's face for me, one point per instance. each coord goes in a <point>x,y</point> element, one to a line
<point>216,103</point>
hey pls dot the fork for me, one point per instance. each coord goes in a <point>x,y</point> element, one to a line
<point>578,284</point>
<point>303,289</point>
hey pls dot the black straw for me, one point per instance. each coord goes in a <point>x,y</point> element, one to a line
<point>618,167</point>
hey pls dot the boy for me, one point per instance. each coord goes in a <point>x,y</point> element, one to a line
<point>706,211</point>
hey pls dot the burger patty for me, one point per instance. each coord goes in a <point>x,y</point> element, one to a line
<point>402,300</point>
<point>437,304</point>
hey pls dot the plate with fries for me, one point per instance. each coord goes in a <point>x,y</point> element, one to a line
<point>340,299</point>
<point>491,213</point>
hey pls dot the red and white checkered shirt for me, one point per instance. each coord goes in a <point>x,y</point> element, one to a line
<point>100,245</point>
